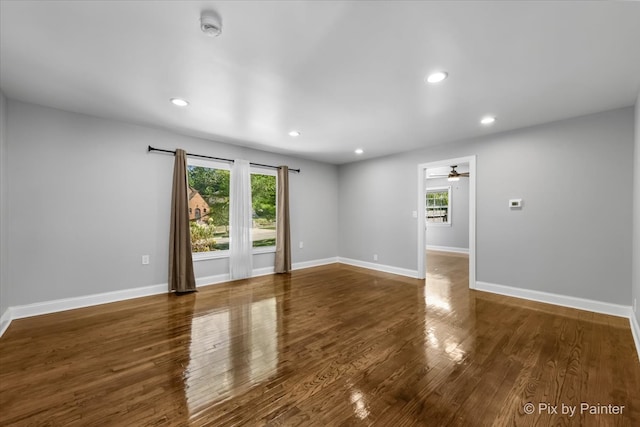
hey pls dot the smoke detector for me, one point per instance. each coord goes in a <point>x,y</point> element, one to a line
<point>211,23</point>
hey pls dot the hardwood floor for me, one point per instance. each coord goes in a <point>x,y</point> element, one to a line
<point>326,346</point>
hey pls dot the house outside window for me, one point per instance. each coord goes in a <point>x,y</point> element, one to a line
<point>208,206</point>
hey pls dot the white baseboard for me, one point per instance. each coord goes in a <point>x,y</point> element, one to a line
<point>46,307</point>
<point>379,267</point>
<point>447,249</point>
<point>635,331</point>
<point>209,280</point>
<point>562,300</point>
<point>5,320</point>
<point>314,263</point>
<point>264,271</point>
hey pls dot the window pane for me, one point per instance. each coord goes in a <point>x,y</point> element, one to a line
<point>263,197</point>
<point>438,206</point>
<point>208,208</point>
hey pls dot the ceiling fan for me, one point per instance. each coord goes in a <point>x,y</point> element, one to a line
<point>454,175</point>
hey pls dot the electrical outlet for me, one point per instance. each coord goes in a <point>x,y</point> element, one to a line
<point>375,257</point>
<point>145,259</point>
<point>301,244</point>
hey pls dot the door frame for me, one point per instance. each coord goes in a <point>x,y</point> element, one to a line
<point>422,177</point>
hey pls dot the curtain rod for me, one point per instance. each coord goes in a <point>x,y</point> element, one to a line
<point>217,158</point>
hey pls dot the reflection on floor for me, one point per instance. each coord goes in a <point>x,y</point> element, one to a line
<point>446,274</point>
<point>232,349</point>
<point>332,345</point>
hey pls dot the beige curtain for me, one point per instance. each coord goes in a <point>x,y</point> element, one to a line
<point>283,237</point>
<point>181,277</point>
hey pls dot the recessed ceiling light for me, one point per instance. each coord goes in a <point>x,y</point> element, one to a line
<point>294,133</point>
<point>179,102</point>
<point>359,151</point>
<point>436,77</point>
<point>488,120</point>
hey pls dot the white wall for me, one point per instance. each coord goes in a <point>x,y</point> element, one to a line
<point>457,234</point>
<point>636,213</point>
<point>3,185</point>
<point>560,242</point>
<point>87,200</point>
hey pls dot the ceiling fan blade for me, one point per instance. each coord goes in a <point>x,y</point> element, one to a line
<point>463,174</point>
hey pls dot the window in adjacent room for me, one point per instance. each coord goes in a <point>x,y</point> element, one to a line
<point>438,205</point>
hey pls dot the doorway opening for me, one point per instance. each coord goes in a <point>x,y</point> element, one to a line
<point>437,212</point>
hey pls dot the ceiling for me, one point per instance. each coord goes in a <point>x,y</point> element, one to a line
<point>346,75</point>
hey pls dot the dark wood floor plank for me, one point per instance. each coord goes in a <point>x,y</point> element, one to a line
<point>328,346</point>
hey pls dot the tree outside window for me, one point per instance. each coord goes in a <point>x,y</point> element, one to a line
<point>438,206</point>
<point>263,200</point>
<point>209,232</point>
